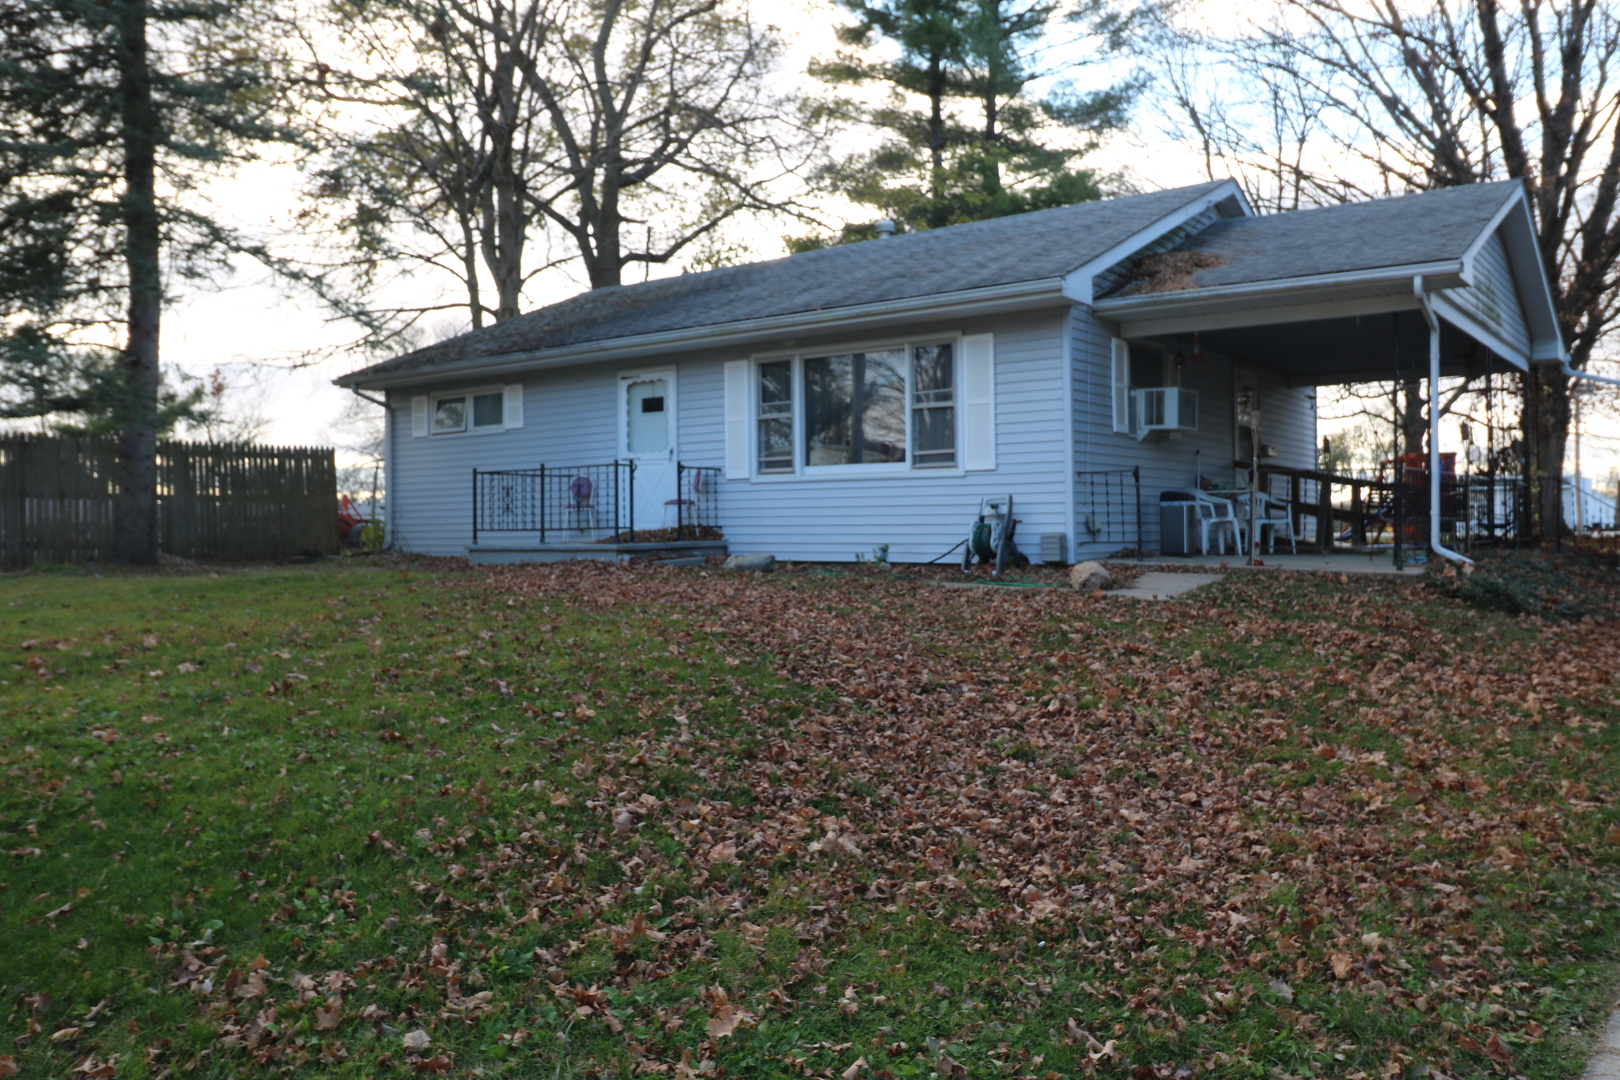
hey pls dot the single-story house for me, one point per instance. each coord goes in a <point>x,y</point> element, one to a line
<point>826,404</point>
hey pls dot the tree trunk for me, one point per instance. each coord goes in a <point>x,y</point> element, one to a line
<point>469,266</point>
<point>604,259</point>
<point>936,123</point>
<point>135,529</point>
<point>506,232</point>
<point>1414,418</point>
<point>1546,432</point>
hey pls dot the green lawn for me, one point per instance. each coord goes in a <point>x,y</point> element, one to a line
<point>378,820</point>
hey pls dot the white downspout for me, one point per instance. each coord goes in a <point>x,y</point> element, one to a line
<point>1574,374</point>
<point>1434,427</point>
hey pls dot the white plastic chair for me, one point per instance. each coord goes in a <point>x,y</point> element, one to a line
<point>1276,514</point>
<point>1215,516</point>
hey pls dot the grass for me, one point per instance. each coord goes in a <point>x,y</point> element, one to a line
<point>368,821</point>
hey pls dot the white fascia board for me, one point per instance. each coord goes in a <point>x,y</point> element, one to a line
<point>1459,318</point>
<point>1132,327</point>
<point>1077,284</point>
<point>1517,196</point>
<point>967,303</point>
<point>1524,256</point>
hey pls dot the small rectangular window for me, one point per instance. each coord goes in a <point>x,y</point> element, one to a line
<point>933,405</point>
<point>488,410</point>
<point>449,414</point>
<point>652,404</point>
<point>776,416</point>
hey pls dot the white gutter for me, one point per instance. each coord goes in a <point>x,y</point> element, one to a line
<point>954,305</point>
<point>1434,426</point>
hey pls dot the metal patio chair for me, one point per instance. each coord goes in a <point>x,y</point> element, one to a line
<point>582,502</point>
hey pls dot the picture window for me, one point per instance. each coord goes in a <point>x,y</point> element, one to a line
<point>892,406</point>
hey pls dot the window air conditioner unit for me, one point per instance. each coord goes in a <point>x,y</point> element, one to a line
<point>1164,408</point>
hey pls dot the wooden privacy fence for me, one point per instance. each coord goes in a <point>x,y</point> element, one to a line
<point>58,494</point>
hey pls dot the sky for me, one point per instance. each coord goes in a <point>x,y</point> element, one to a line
<point>257,332</point>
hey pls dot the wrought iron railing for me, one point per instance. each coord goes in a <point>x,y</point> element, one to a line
<point>697,501</point>
<point>557,503</point>
<point>1111,501</point>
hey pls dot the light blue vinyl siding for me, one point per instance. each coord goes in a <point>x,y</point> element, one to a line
<point>1288,423</point>
<point>918,514</point>
<point>1493,298</point>
<point>569,419</point>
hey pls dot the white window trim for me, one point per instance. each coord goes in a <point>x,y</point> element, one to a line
<point>805,473</point>
<point>499,390</point>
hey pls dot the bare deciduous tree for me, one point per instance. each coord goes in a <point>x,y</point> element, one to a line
<point>431,145</point>
<point>1315,101</point>
<point>476,130</point>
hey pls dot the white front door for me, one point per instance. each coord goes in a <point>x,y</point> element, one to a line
<point>647,438</point>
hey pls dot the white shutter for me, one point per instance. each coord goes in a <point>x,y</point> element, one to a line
<point>1120,380</point>
<point>979,401</point>
<point>512,404</point>
<point>419,416</point>
<point>737,417</point>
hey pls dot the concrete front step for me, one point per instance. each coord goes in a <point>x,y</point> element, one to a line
<point>497,554</point>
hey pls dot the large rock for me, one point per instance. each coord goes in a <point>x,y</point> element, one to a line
<point>760,562</point>
<point>1089,576</point>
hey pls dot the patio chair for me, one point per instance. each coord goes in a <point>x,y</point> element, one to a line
<point>1276,514</point>
<point>686,503</point>
<point>1215,516</point>
<point>582,501</point>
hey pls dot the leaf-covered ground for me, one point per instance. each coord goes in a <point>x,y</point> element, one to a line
<point>611,822</point>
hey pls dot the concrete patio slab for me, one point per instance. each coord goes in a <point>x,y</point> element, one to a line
<point>1604,1064</point>
<point>1156,585</point>
<point>1337,563</point>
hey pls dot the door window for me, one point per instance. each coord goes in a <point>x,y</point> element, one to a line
<point>647,421</point>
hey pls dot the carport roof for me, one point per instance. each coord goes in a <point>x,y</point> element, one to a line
<point>1430,227</point>
<point>1313,293</point>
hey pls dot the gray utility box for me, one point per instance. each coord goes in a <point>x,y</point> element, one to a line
<point>1178,523</point>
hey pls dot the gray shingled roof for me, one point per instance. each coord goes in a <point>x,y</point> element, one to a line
<point>1431,226</point>
<point>1027,247</point>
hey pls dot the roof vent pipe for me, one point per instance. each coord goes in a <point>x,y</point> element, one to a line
<point>884,229</point>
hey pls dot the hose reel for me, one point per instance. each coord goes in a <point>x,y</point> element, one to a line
<point>990,538</point>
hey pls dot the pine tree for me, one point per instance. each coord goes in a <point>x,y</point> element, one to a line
<point>963,139</point>
<point>112,112</point>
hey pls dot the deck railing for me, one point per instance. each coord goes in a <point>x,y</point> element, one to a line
<point>1329,510</point>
